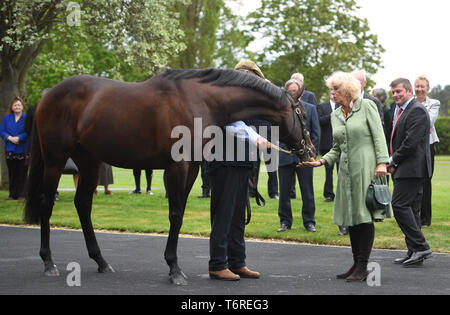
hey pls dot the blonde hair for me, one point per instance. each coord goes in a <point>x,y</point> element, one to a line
<point>347,82</point>
<point>423,77</point>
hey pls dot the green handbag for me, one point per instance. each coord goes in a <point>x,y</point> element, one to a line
<point>378,195</point>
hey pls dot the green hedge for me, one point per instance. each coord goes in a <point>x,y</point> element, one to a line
<point>442,125</point>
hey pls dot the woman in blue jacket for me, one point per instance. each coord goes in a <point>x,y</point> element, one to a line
<point>16,143</point>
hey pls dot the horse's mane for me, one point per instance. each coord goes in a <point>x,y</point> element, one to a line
<point>228,77</point>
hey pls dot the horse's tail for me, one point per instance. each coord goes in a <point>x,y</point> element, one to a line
<point>34,187</point>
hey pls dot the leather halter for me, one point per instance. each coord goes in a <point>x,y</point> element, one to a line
<point>304,150</point>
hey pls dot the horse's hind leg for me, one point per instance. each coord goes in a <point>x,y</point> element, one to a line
<point>50,184</point>
<point>83,202</point>
<point>180,178</point>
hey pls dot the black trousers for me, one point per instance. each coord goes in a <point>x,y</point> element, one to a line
<point>17,172</point>
<point>406,202</point>
<point>305,178</point>
<point>229,193</point>
<point>425,210</point>
<point>205,181</point>
<point>137,178</point>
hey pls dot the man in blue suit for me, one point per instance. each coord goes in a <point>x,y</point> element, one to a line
<point>307,96</point>
<point>287,170</point>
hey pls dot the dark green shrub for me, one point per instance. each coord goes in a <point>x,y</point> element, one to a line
<point>442,125</point>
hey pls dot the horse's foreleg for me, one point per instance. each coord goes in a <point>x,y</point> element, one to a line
<point>83,202</point>
<point>184,174</point>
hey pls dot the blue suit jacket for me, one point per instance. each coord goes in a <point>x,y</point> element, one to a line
<point>313,126</point>
<point>309,97</point>
<point>9,127</point>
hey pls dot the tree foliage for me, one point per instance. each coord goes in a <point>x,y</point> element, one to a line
<point>443,95</point>
<point>314,37</point>
<point>141,34</point>
<point>213,35</point>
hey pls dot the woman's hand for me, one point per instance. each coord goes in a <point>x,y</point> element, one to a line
<point>311,164</point>
<point>381,170</point>
<point>14,140</point>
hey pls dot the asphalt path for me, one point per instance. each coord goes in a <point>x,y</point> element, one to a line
<point>140,269</point>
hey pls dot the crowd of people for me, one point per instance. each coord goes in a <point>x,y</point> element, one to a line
<point>359,133</point>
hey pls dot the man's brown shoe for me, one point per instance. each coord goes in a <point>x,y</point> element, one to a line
<point>224,274</point>
<point>244,272</point>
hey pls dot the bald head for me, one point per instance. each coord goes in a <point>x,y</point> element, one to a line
<point>361,77</point>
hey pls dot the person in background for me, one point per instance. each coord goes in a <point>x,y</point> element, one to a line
<point>361,77</point>
<point>16,147</point>
<point>324,112</point>
<point>360,146</point>
<point>106,178</point>
<point>421,88</point>
<point>307,96</point>
<point>381,95</point>
<point>205,183</point>
<point>287,170</point>
<point>137,181</point>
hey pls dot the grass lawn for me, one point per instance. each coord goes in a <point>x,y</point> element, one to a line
<point>149,214</point>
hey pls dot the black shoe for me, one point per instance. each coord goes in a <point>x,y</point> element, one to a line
<point>283,228</point>
<point>311,228</point>
<point>400,261</point>
<point>329,199</point>
<point>134,192</point>
<point>418,264</point>
<point>418,257</point>
<point>275,196</point>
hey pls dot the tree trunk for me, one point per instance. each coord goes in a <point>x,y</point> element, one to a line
<point>9,88</point>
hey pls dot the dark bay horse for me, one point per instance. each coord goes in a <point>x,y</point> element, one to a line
<point>129,125</point>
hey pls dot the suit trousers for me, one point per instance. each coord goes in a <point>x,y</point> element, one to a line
<point>406,202</point>
<point>229,195</point>
<point>305,177</point>
<point>137,178</point>
<point>425,210</point>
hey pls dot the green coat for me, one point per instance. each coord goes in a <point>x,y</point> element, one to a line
<point>359,145</point>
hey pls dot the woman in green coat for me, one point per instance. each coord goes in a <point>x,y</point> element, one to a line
<point>360,146</point>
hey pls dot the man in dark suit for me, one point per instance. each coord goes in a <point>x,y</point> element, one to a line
<point>307,96</point>
<point>410,165</point>
<point>287,171</point>
<point>324,111</point>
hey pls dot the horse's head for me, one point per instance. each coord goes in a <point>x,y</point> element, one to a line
<point>297,137</point>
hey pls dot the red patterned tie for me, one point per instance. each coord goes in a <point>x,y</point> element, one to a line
<point>393,128</point>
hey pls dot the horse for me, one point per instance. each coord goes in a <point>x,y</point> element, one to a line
<point>128,125</point>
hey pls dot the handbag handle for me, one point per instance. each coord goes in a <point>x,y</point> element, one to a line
<point>382,180</point>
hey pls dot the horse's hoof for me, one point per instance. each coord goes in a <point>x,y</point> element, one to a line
<point>51,271</point>
<point>107,269</point>
<point>178,279</point>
